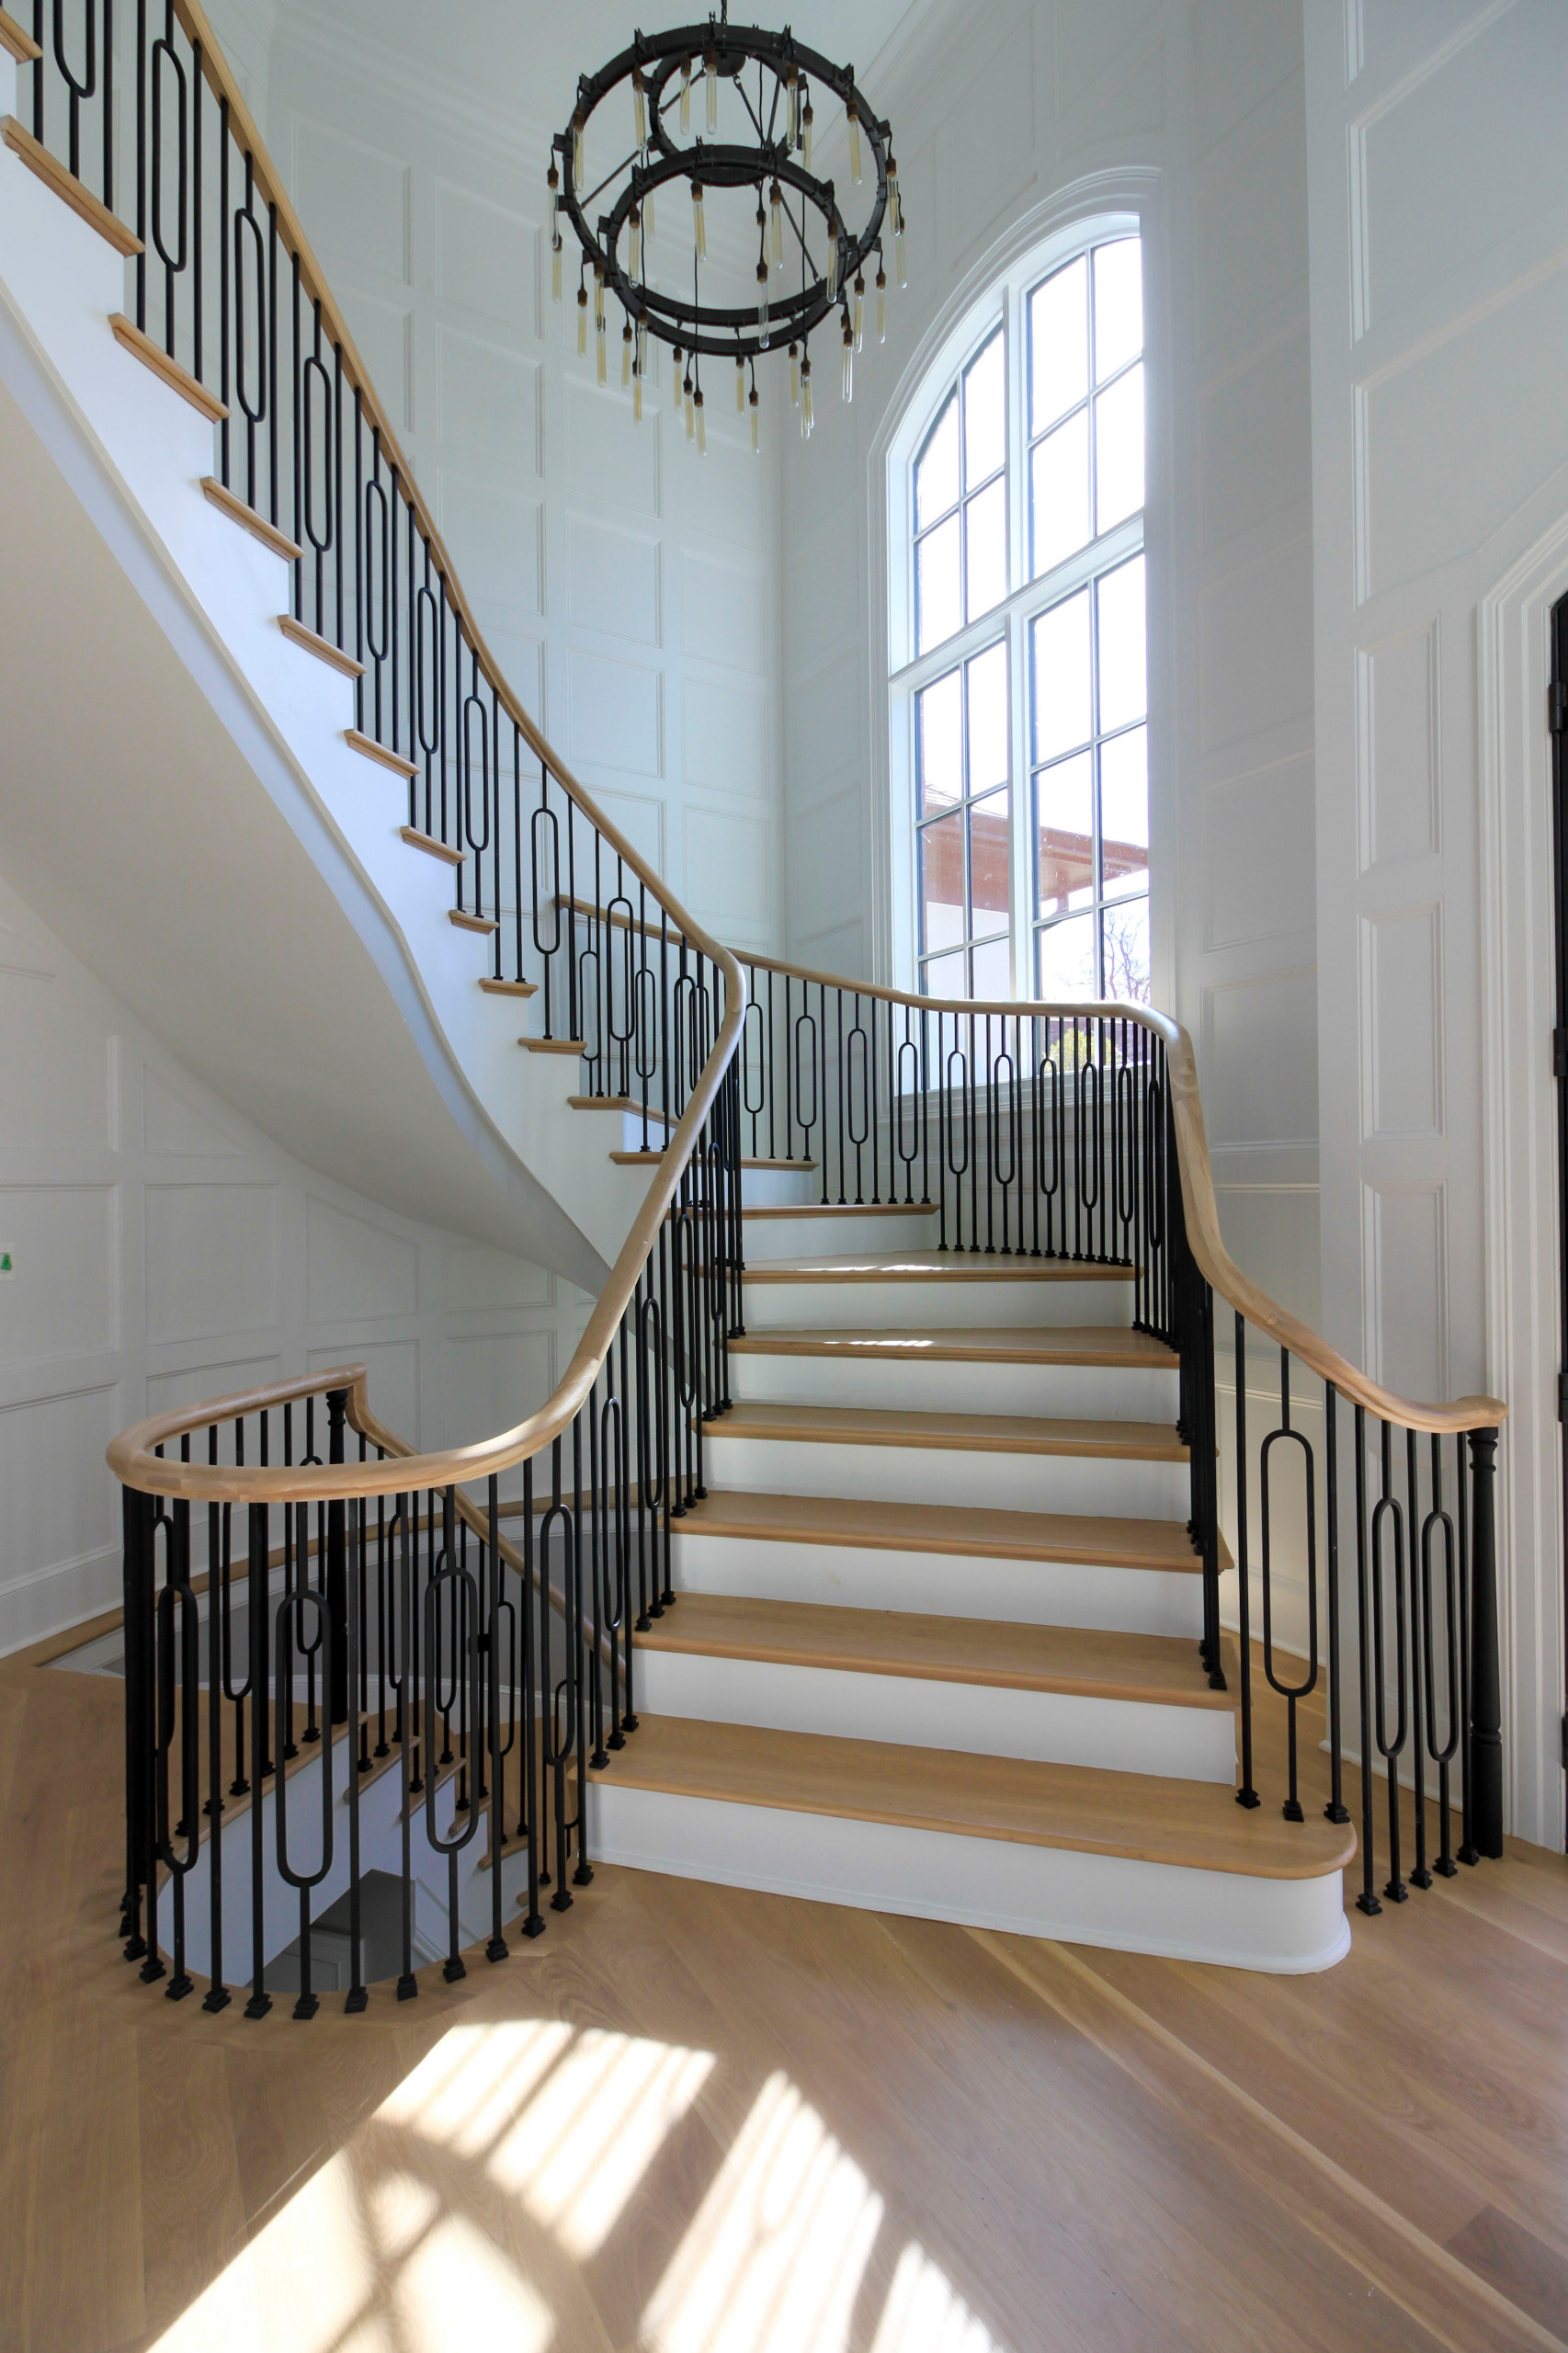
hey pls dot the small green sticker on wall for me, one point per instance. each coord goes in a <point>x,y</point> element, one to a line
<point>6,1270</point>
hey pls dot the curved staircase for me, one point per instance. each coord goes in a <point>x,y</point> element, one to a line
<point>880,1541</point>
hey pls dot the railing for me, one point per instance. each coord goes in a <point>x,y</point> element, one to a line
<point>497,1671</point>
<point>1077,1133</point>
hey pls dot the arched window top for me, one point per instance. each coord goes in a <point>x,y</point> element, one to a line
<point>1021,696</point>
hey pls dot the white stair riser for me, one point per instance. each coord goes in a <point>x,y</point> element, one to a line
<point>823,1235</point>
<point>773,1187</point>
<point>1085,1392</point>
<point>975,1718</point>
<point>830,1305</point>
<point>1287,1927</point>
<point>1020,1593</point>
<point>1065,1483</point>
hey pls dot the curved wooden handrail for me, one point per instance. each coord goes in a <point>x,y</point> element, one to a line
<point>1214,1261</point>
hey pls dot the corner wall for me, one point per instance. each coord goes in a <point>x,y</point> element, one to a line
<point>994,111</point>
<point>164,1252</point>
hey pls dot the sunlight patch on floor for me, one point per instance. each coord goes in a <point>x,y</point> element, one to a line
<point>924,2312</point>
<point>773,2261</point>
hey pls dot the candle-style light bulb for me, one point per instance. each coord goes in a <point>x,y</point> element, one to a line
<point>806,400</point>
<point>806,122</point>
<point>578,173</point>
<point>710,71</point>
<point>762,305</point>
<point>739,387</point>
<point>775,207</point>
<point>637,396</point>
<point>642,348</point>
<point>701,426</point>
<point>859,310</point>
<point>552,181</point>
<point>848,361</point>
<point>686,93</point>
<point>582,321</point>
<point>626,354</point>
<point>792,87</point>
<point>833,259</point>
<point>755,427</point>
<point>634,242</point>
<point>599,297</point>
<point>638,107</point>
<point>794,375</point>
<point>852,116</point>
<point>555,268</point>
<point>881,303</point>
<point>699,222</point>
<point>690,409</point>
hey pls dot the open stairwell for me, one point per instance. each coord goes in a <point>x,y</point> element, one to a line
<point>877,1544</point>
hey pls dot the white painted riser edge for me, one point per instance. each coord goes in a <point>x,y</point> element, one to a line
<point>909,1475</point>
<point>975,1719</point>
<point>1018,1593</point>
<point>900,1306</point>
<point>1087,1393</point>
<point>776,1188</point>
<point>823,1235</point>
<point>1285,1927</point>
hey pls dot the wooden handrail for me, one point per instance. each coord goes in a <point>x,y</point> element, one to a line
<point>130,1456</point>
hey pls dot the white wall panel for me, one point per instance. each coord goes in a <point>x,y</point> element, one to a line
<point>493,537</point>
<point>211,1259</point>
<point>723,610</point>
<point>1257,426</point>
<point>726,870</point>
<point>1256,646</point>
<point>382,333</point>
<point>726,735</point>
<point>473,1276</point>
<point>356,1269</point>
<point>987,146</point>
<point>488,401</point>
<point>1398,735</point>
<point>1406,1260</point>
<point>494,1379</point>
<point>486,257</point>
<point>357,193</point>
<point>59,1505</point>
<point>1260,1058</point>
<point>1259,838</point>
<point>53,1072</point>
<point>175,1128</point>
<point>1251,227</point>
<point>606,454</point>
<point>612,579</point>
<point>1401,1026</point>
<point>392,1373</point>
<point>63,1298</point>
<point>613,712</point>
<point>1088,40</point>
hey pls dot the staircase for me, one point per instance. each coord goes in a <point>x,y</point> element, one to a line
<point>880,1542</point>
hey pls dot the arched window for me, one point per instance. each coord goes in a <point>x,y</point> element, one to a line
<point>1021,693</point>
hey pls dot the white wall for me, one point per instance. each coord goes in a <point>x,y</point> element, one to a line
<point>1439,187</point>
<point>164,1252</point>
<point>994,112</point>
<point>626,588</point>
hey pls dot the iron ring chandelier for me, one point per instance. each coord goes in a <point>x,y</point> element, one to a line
<point>811,262</point>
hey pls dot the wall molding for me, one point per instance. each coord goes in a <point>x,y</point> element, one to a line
<point>1520,1178</point>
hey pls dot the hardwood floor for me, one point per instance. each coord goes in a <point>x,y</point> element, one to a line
<point>701,2121</point>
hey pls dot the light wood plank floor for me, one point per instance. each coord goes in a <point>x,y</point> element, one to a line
<point>695,2120</point>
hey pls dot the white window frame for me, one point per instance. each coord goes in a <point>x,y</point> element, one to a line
<point>997,290</point>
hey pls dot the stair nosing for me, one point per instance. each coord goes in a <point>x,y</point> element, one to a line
<point>983,1345</point>
<point>955,1267</point>
<point>954,1433</point>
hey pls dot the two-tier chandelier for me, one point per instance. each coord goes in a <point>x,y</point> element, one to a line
<point>758,89</point>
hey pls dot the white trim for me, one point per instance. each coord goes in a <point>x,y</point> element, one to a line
<point>1520,1175</point>
<point>1131,196</point>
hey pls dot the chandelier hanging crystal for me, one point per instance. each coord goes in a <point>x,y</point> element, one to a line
<point>810,259</point>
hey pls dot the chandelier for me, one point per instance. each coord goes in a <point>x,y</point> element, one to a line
<point>757,101</point>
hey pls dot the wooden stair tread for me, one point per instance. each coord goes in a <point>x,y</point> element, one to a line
<point>931,1267</point>
<point>1079,1538</point>
<point>622,1103</point>
<point>554,1045</point>
<point>55,175</point>
<point>467,922</point>
<point>430,845</point>
<point>1088,1344</point>
<point>1160,1668</point>
<point>1196,1825</point>
<point>839,1209</point>
<point>494,987</point>
<point>804,1167</point>
<point>229,502</point>
<point>961,1433</point>
<point>17,41</point>
<point>141,346</point>
<point>322,647</point>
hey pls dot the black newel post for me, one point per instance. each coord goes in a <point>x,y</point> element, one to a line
<point>337,1565</point>
<point>137,1602</point>
<point>1485,1688</point>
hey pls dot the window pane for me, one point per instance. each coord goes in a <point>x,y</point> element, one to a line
<point>988,861</point>
<point>938,715</point>
<point>1119,305</point>
<point>1123,694</point>
<point>1059,344</point>
<point>1065,957</point>
<point>1124,812</point>
<point>1064,835</point>
<point>993,974</point>
<point>984,414</point>
<point>936,468</point>
<point>944,977</point>
<point>937,600</point>
<point>1119,451</point>
<point>988,718</point>
<point>1058,493</point>
<point>1127,952</point>
<point>986,524</point>
<point>1059,655</point>
<point>942,884</point>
